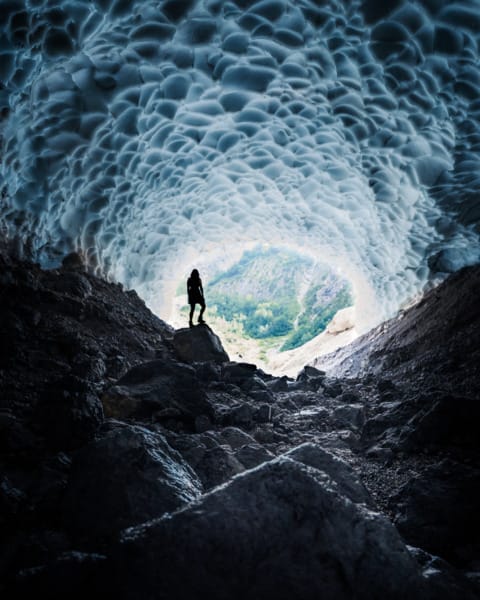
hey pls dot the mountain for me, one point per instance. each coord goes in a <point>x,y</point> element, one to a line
<point>279,293</point>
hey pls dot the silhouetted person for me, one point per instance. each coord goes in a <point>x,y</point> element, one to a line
<point>195,295</point>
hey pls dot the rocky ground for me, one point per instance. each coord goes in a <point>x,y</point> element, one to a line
<point>140,462</point>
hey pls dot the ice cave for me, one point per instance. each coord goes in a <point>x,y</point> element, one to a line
<point>141,138</point>
<point>146,134</point>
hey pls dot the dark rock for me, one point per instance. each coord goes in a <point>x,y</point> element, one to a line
<point>311,378</point>
<point>264,434</point>
<point>234,372</point>
<point>332,388</point>
<point>337,469</point>
<point>439,511</point>
<point>209,456</point>
<point>380,453</point>
<point>257,389</point>
<point>69,413</point>
<point>279,384</point>
<point>15,437</point>
<point>154,386</point>
<point>309,372</point>
<point>349,415</point>
<point>306,527</point>
<point>126,477</point>
<point>217,465</point>
<point>116,366</point>
<point>444,420</point>
<point>264,413</point>
<point>349,397</point>
<point>208,371</point>
<point>202,423</point>
<point>385,385</point>
<point>252,455</point>
<point>241,415</point>
<point>444,580</point>
<point>236,438</point>
<point>73,284</point>
<point>198,344</point>
<point>73,573</point>
<point>73,262</point>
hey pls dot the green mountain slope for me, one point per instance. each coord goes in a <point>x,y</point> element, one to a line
<point>278,294</point>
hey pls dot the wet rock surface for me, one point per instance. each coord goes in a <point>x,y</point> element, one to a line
<point>252,482</point>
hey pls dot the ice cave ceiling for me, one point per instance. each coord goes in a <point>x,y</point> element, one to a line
<point>147,133</point>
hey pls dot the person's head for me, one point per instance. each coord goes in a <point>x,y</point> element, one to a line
<point>195,274</point>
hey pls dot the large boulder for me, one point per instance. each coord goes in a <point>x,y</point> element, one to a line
<point>129,475</point>
<point>439,511</point>
<point>337,469</point>
<point>217,456</point>
<point>282,530</point>
<point>160,389</point>
<point>198,344</point>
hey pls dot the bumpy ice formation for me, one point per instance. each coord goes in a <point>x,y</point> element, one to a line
<point>146,133</point>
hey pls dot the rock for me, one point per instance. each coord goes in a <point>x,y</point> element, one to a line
<point>241,415</point>
<point>279,384</point>
<point>444,580</point>
<point>72,573</point>
<point>264,434</point>
<point>307,527</point>
<point>381,453</point>
<point>257,389</point>
<point>208,371</point>
<point>332,388</point>
<point>202,423</point>
<point>438,511</point>
<point>236,438</point>
<point>69,413</point>
<point>209,456</point>
<point>349,415</point>
<point>154,386</point>
<point>217,465</point>
<point>444,420</point>
<point>385,385</point>
<point>126,477</point>
<point>252,455</point>
<point>264,413</point>
<point>308,372</point>
<point>349,397</point>
<point>233,372</point>
<point>74,284</point>
<point>311,378</point>
<point>337,469</point>
<point>198,344</point>
<point>73,262</point>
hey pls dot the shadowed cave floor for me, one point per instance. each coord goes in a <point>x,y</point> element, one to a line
<point>252,484</point>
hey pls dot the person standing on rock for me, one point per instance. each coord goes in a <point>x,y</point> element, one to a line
<point>195,295</point>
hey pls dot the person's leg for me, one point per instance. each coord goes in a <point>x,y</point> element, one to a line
<point>202,310</point>
<point>192,309</point>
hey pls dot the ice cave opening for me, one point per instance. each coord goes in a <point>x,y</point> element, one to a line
<point>274,306</point>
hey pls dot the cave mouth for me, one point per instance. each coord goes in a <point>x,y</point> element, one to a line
<point>272,305</point>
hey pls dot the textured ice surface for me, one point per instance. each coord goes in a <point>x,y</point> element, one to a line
<point>146,133</point>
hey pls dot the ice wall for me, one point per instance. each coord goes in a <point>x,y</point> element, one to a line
<point>147,133</point>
